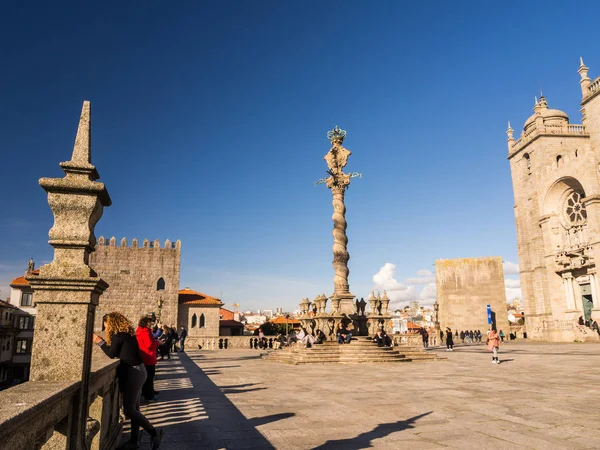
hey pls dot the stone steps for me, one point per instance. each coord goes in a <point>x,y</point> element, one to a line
<point>358,351</point>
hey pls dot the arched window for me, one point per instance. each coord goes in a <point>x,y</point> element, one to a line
<point>160,284</point>
<point>558,160</point>
<point>201,320</point>
<point>576,153</point>
<point>527,162</point>
<point>194,321</point>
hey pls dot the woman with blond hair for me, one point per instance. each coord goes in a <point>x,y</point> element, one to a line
<point>120,342</point>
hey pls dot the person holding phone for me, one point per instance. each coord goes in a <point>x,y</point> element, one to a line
<point>120,342</point>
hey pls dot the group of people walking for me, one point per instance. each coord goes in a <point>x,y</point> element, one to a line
<point>493,339</point>
<point>138,352</point>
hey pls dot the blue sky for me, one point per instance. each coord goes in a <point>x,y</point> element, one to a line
<point>210,121</point>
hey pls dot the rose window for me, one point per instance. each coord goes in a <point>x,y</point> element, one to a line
<point>575,210</point>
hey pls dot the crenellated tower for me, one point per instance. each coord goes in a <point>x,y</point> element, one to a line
<point>143,278</point>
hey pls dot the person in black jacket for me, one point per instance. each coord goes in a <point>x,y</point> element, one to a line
<point>120,342</point>
<point>182,336</point>
<point>449,340</point>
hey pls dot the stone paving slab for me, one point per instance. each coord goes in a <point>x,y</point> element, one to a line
<point>542,396</point>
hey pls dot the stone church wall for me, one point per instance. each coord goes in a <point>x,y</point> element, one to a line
<point>133,274</point>
<point>465,287</point>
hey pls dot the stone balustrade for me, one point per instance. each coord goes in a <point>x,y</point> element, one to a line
<point>534,131</point>
<point>409,339</point>
<point>36,414</point>
<point>251,342</point>
<point>594,86</point>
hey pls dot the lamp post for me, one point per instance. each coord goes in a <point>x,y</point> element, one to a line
<point>287,316</point>
<point>159,303</point>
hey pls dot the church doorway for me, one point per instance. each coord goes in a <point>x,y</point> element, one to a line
<point>587,301</point>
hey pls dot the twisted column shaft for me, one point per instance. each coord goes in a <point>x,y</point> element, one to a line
<point>340,242</point>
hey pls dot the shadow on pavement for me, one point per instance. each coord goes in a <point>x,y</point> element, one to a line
<point>195,413</point>
<point>364,440</point>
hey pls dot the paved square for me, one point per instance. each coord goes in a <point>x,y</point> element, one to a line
<point>542,396</point>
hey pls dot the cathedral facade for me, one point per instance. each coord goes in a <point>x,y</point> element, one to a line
<point>555,167</point>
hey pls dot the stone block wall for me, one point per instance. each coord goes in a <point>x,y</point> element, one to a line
<point>133,274</point>
<point>465,287</point>
<point>211,319</point>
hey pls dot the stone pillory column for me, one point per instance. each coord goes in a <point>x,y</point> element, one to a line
<point>338,181</point>
<point>67,290</point>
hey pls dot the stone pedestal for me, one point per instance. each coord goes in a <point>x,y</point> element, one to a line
<point>67,290</point>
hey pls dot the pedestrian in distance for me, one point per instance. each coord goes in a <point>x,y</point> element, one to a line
<point>182,336</point>
<point>493,343</point>
<point>449,340</point>
<point>120,342</point>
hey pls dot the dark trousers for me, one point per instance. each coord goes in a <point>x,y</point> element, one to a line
<point>148,387</point>
<point>136,379</point>
<point>182,344</point>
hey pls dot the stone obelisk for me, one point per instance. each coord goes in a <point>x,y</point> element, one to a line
<point>338,181</point>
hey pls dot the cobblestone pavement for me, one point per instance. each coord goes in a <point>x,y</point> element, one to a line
<point>542,396</point>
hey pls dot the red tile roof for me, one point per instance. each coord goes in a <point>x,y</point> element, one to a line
<point>226,314</point>
<point>189,297</point>
<point>21,281</point>
<point>281,320</point>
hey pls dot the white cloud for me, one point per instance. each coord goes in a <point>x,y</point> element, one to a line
<point>399,294</point>
<point>512,286</point>
<point>510,268</point>
<point>512,283</point>
<point>424,273</point>
<point>428,295</point>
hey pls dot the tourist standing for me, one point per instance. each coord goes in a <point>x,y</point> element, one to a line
<point>501,334</point>
<point>174,339</point>
<point>121,343</point>
<point>148,346</point>
<point>449,340</point>
<point>182,336</point>
<point>493,342</point>
<point>424,337</point>
<point>165,343</point>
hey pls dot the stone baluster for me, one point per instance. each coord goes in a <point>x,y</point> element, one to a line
<point>67,290</point>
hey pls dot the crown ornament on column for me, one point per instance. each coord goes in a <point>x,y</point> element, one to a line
<point>337,135</point>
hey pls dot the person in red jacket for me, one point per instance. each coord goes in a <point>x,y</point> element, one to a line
<point>148,346</point>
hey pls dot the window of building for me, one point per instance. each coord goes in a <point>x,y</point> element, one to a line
<point>8,344</point>
<point>527,159</point>
<point>23,347</point>
<point>202,320</point>
<point>575,209</point>
<point>26,298</point>
<point>194,321</point>
<point>160,284</point>
<point>558,160</point>
<point>24,323</point>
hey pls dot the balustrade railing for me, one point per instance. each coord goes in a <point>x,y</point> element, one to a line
<point>36,414</point>
<point>594,86</point>
<point>576,129</point>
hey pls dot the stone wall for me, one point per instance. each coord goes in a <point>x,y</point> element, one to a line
<point>133,274</point>
<point>465,287</point>
<point>211,320</point>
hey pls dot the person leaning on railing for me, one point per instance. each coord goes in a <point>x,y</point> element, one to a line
<point>120,342</point>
